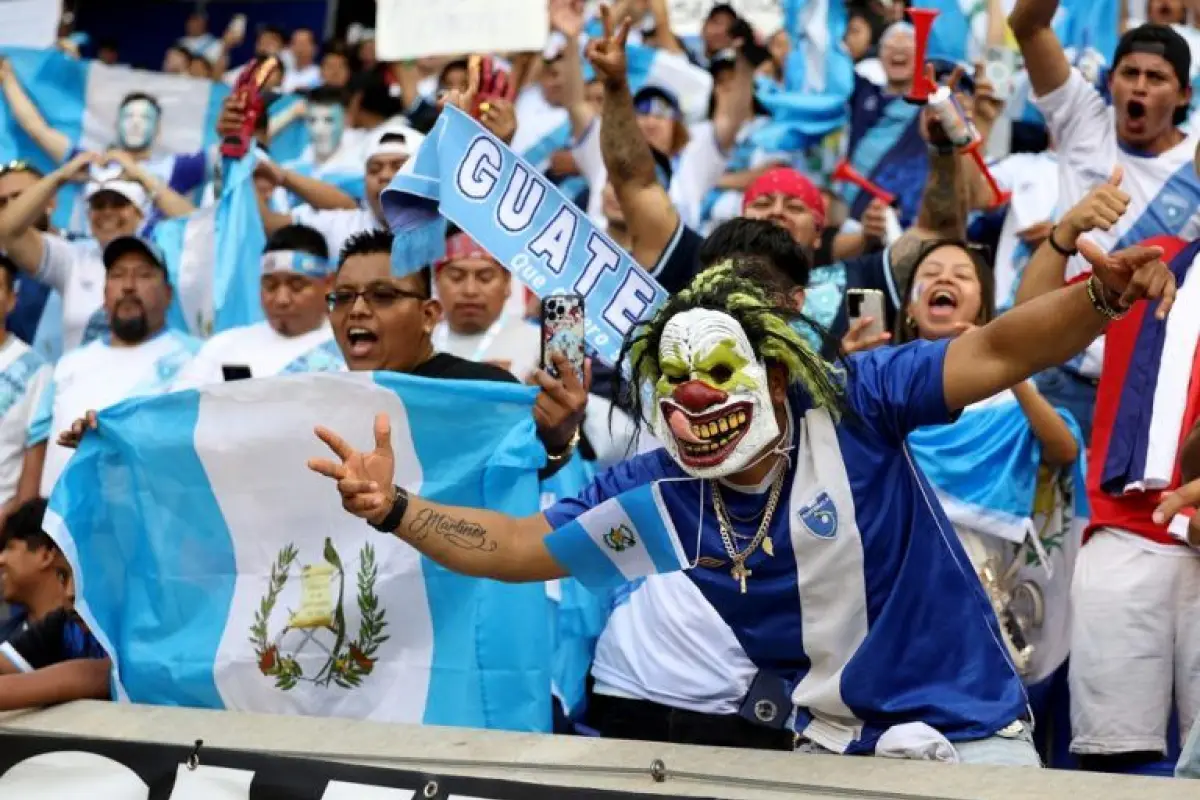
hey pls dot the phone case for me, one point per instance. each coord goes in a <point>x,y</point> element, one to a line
<point>562,331</point>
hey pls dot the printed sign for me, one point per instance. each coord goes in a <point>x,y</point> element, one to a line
<point>407,29</point>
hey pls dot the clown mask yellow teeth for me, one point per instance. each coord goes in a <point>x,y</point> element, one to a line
<point>714,413</point>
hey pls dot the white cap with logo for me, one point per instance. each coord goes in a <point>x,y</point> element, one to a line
<point>130,190</point>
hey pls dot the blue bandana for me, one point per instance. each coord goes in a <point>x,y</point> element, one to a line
<point>296,261</point>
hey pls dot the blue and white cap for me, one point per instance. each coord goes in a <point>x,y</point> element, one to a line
<point>134,244</point>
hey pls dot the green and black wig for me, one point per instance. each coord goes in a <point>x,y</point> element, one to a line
<point>763,316</point>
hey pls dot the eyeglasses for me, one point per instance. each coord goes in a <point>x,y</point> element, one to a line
<point>373,296</point>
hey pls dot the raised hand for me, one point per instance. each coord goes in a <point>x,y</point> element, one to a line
<point>560,405</point>
<point>1186,496</point>
<point>464,100</point>
<point>1132,274</point>
<point>857,339</point>
<point>874,220</point>
<point>566,17</point>
<point>364,480</point>
<point>985,105</point>
<point>607,53</point>
<point>499,117</point>
<point>73,435</point>
<point>1100,208</point>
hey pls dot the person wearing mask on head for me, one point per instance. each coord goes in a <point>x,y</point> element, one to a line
<point>23,377</point>
<point>384,322</point>
<point>841,596</point>
<point>303,72</point>
<point>334,154</point>
<point>29,565</point>
<point>139,122</point>
<point>55,659</point>
<point>1139,132</point>
<point>473,289</point>
<point>117,207</point>
<point>139,357</point>
<point>296,337</point>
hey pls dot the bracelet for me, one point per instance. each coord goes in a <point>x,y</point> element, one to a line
<point>394,517</point>
<point>1096,292</point>
<point>1062,251</point>
<point>558,458</point>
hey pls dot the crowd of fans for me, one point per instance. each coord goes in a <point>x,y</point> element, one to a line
<point>1111,186</point>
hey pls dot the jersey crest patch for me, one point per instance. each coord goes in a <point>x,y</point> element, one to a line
<point>820,517</point>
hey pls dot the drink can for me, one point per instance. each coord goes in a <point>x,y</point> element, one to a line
<point>953,118</point>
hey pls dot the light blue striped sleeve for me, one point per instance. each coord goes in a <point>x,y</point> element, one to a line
<point>39,423</point>
<point>625,537</point>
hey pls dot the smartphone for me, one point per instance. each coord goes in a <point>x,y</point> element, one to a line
<point>236,372</point>
<point>562,331</point>
<point>866,303</point>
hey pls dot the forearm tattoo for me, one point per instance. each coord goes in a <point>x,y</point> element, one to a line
<point>942,204</point>
<point>626,153</point>
<point>456,531</point>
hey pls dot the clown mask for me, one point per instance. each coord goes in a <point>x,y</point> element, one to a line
<point>715,414</point>
<point>137,124</point>
<point>325,126</point>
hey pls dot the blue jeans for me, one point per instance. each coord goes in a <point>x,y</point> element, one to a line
<point>1065,389</point>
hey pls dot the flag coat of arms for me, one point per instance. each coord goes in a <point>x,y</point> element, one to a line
<point>219,572</point>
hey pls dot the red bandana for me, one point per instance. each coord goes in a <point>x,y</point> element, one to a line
<point>460,246</point>
<point>790,183</point>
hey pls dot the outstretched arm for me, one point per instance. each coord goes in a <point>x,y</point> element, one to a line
<point>78,679</point>
<point>1052,328</point>
<point>470,541</point>
<point>1045,60</point>
<point>52,142</point>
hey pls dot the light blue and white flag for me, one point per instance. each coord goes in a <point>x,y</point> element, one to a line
<point>213,258</point>
<point>625,537</point>
<point>80,98</point>
<point>220,572</point>
<point>466,175</point>
<point>818,62</point>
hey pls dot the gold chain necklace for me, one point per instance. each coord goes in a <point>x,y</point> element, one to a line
<point>738,558</point>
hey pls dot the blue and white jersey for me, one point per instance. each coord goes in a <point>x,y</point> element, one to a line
<point>98,375</point>
<point>885,145</point>
<point>23,377</point>
<point>265,351</point>
<point>869,608</point>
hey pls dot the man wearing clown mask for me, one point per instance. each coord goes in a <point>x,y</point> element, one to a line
<point>334,154</point>
<point>840,603</point>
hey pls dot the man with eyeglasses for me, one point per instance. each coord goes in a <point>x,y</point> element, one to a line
<point>385,322</point>
<point>117,206</point>
<point>296,337</point>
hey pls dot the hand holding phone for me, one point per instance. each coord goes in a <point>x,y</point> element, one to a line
<point>862,303</point>
<point>562,331</point>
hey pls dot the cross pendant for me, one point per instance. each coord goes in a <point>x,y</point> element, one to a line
<point>740,573</point>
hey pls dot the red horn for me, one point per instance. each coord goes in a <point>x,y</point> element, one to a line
<point>848,174</point>
<point>922,22</point>
<point>999,196</point>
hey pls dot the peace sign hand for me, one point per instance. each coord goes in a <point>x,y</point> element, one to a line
<point>363,479</point>
<point>607,53</point>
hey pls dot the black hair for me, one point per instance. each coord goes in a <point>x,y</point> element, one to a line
<point>376,242</point>
<point>309,31</point>
<point>107,44</point>
<point>298,237</point>
<point>274,30</point>
<point>979,256</point>
<point>375,96</point>
<point>458,63</point>
<point>743,238</point>
<point>25,525</point>
<point>327,96</point>
<point>723,8</point>
<point>151,99</point>
<point>11,271</point>
<point>1173,49</point>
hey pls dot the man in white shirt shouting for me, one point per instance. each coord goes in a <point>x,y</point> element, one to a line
<point>139,358</point>
<point>1138,132</point>
<point>296,337</point>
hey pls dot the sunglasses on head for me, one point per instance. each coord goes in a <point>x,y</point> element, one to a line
<point>16,166</point>
<point>381,296</point>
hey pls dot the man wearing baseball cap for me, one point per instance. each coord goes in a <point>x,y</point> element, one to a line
<point>139,357</point>
<point>297,274</point>
<point>120,198</point>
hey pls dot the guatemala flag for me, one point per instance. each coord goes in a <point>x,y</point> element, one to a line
<point>220,572</point>
<point>213,258</point>
<point>80,99</point>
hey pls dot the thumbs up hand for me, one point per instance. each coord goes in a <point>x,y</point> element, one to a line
<point>1100,209</point>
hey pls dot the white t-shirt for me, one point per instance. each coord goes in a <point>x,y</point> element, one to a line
<point>265,351</point>
<point>1033,180</point>
<point>23,377</point>
<point>1164,190</point>
<point>695,171</point>
<point>301,80</point>
<point>96,376</point>
<point>337,225</point>
<point>76,271</point>
<point>513,340</point>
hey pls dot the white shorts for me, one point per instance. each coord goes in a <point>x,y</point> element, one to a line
<point>1135,640</point>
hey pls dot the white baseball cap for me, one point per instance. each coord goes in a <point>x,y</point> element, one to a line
<point>405,143</point>
<point>130,190</point>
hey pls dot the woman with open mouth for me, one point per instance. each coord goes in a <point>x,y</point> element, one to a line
<point>1004,454</point>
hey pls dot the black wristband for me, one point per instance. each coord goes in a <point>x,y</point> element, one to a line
<point>1062,251</point>
<point>392,521</point>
